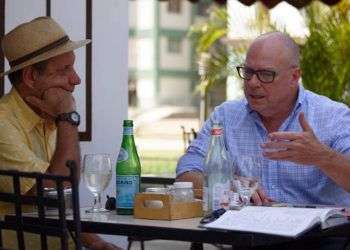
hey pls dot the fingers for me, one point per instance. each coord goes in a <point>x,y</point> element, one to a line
<point>280,145</point>
<point>60,100</point>
<point>280,155</point>
<point>54,101</point>
<point>39,104</point>
<point>290,136</point>
<point>260,198</point>
<point>256,199</point>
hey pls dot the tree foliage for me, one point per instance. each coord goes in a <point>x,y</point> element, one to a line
<point>211,51</point>
<point>325,55</point>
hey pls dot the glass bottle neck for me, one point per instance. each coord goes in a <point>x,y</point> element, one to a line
<point>128,131</point>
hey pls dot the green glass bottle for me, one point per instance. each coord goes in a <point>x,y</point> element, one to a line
<point>128,171</point>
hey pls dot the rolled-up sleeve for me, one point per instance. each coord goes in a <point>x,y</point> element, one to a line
<point>341,131</point>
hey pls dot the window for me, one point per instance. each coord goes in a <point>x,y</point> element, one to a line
<point>174,45</point>
<point>132,94</point>
<point>174,6</point>
<point>202,8</point>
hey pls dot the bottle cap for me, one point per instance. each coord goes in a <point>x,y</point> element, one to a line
<point>128,123</point>
<point>156,190</point>
<point>183,184</point>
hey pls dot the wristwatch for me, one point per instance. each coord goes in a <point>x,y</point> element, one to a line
<point>71,117</point>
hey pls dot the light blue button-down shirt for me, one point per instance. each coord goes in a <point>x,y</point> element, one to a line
<point>283,181</point>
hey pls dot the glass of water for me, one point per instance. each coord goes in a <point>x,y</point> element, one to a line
<point>97,173</point>
<point>247,177</point>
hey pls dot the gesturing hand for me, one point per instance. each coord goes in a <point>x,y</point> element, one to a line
<point>299,147</point>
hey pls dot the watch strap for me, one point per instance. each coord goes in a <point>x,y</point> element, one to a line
<point>71,117</point>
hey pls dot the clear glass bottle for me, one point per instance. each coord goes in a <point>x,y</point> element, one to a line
<point>217,173</point>
<point>128,171</point>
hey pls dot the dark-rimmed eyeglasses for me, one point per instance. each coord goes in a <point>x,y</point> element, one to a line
<point>264,75</point>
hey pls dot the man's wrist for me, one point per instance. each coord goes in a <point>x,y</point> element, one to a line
<point>71,117</point>
<point>327,158</point>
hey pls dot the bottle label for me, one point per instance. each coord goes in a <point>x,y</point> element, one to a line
<point>205,199</point>
<point>221,195</point>
<point>216,131</point>
<point>127,187</point>
<point>128,131</point>
<point>123,155</point>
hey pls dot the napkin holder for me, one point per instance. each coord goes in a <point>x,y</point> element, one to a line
<point>162,207</point>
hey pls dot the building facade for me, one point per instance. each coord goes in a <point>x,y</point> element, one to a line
<point>162,64</point>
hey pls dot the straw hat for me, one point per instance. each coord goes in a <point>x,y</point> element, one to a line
<point>36,41</point>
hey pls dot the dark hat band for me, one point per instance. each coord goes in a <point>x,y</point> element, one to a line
<point>35,53</point>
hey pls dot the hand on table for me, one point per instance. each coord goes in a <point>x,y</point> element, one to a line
<point>260,198</point>
<point>298,147</point>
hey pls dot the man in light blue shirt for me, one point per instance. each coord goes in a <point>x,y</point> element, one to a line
<point>301,139</point>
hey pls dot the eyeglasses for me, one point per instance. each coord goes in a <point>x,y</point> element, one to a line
<point>264,76</point>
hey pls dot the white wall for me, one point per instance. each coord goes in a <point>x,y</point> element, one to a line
<point>109,69</point>
<point>109,84</point>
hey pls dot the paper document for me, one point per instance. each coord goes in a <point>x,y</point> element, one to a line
<point>284,221</point>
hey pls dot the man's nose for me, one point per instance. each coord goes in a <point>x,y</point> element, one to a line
<point>74,79</point>
<point>254,82</point>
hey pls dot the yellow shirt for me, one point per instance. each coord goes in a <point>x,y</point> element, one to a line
<point>27,142</point>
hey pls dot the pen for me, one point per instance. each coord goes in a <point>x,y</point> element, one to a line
<point>304,206</point>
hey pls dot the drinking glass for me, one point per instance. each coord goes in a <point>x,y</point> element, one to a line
<point>247,177</point>
<point>97,173</point>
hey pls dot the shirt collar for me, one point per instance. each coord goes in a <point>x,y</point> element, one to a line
<point>26,116</point>
<point>298,103</point>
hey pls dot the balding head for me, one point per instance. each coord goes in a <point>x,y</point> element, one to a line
<point>279,44</point>
<point>278,55</point>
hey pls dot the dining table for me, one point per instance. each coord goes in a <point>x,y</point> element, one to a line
<point>187,230</point>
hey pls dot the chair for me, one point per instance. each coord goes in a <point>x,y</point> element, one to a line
<point>188,137</point>
<point>44,228</point>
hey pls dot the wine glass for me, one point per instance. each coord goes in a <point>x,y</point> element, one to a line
<point>97,173</point>
<point>247,177</point>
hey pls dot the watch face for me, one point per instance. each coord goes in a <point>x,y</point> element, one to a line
<point>75,117</point>
<point>72,117</point>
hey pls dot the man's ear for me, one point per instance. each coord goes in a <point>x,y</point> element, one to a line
<point>296,75</point>
<point>29,76</point>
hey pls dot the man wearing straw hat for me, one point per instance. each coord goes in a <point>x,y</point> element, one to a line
<point>38,118</point>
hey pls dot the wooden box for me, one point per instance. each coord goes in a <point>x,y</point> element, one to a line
<point>161,207</point>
